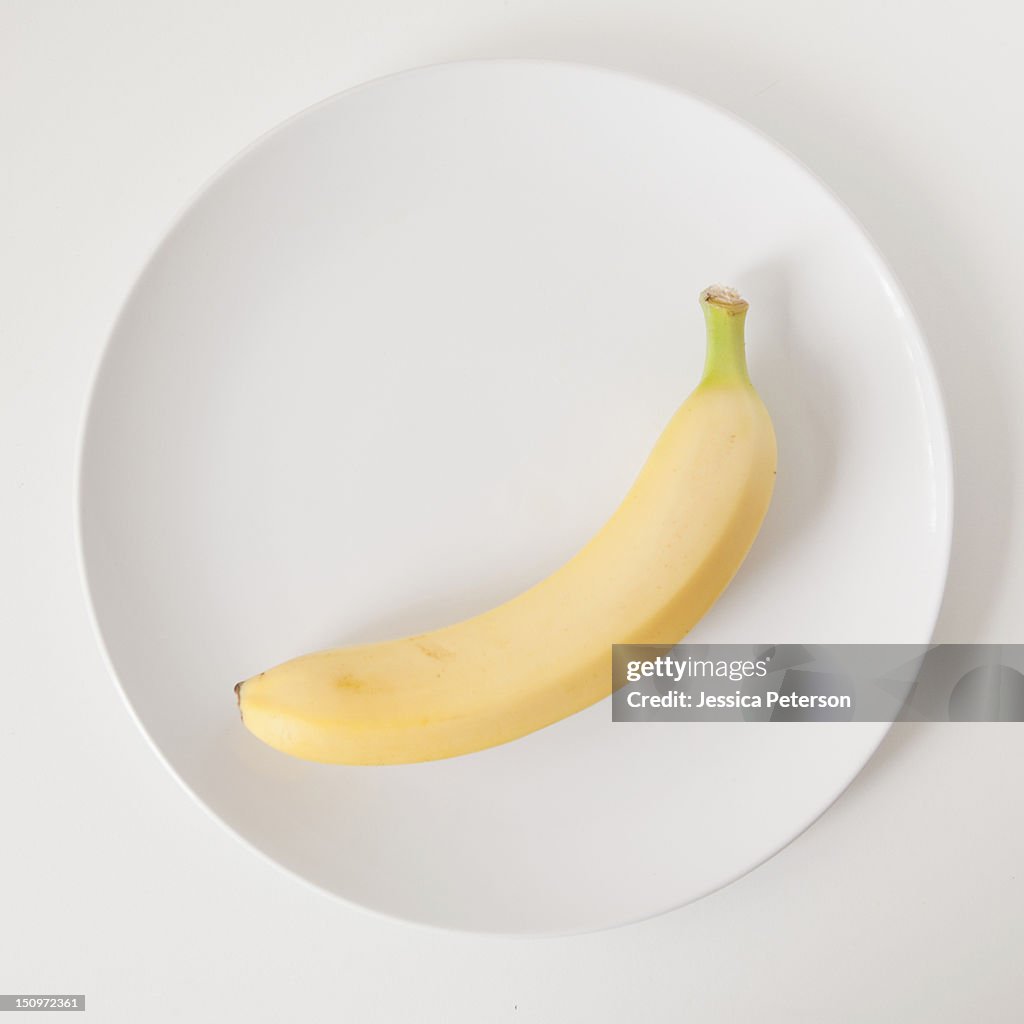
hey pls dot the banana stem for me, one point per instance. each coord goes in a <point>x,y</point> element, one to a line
<point>725,312</point>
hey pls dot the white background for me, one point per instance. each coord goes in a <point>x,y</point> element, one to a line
<point>904,902</point>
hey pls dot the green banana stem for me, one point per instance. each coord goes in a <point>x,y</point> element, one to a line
<point>724,313</point>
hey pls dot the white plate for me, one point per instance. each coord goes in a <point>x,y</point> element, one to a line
<point>397,362</point>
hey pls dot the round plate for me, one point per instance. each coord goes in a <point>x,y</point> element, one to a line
<point>396,363</point>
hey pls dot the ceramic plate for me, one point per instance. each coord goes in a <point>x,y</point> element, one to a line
<point>396,363</point>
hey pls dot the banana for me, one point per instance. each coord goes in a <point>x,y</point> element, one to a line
<point>647,576</point>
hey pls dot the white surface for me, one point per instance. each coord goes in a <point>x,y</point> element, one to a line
<point>363,390</point>
<point>904,900</point>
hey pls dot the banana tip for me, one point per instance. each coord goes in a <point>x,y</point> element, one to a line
<point>238,696</point>
<point>724,297</point>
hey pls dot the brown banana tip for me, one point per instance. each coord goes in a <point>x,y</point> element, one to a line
<point>724,297</point>
<point>238,695</point>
